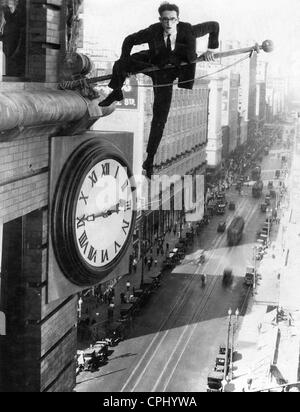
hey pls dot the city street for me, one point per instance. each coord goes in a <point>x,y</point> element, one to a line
<point>175,339</point>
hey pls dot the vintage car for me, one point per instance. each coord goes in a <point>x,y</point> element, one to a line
<point>91,360</point>
<point>220,363</point>
<point>268,200</point>
<point>221,198</point>
<point>250,276</point>
<point>231,206</point>
<point>263,207</point>
<point>115,333</point>
<point>221,209</point>
<point>101,348</point>
<point>222,227</point>
<point>227,276</point>
<point>215,381</point>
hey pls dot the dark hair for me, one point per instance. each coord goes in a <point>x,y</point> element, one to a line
<point>168,7</point>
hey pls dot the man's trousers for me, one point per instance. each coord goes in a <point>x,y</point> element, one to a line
<point>162,95</point>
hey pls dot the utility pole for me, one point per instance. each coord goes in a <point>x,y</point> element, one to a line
<point>227,345</point>
<point>143,247</point>
<point>234,330</point>
<point>180,225</point>
<point>254,261</point>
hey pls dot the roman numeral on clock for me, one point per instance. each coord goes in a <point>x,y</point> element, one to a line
<point>125,185</point>
<point>125,227</point>
<point>80,221</point>
<point>92,254</point>
<point>126,204</point>
<point>93,178</point>
<point>117,172</point>
<point>117,247</point>
<point>84,198</point>
<point>104,256</point>
<point>83,241</point>
<point>106,169</point>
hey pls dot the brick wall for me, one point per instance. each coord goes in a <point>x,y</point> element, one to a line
<point>38,353</point>
<point>23,158</point>
<point>63,354</point>
<point>44,39</point>
<point>47,335</point>
<point>23,196</point>
<point>58,324</point>
<point>65,380</point>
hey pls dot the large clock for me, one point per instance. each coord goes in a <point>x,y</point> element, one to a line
<point>93,214</point>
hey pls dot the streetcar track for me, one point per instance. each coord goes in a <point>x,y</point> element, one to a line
<point>206,298</point>
<point>196,317</point>
<point>248,220</point>
<point>175,309</point>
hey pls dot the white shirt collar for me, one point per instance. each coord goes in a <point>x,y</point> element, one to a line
<point>174,34</point>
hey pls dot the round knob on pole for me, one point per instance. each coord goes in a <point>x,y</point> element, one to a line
<point>268,46</point>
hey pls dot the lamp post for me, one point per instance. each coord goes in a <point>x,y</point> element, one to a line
<point>80,302</point>
<point>234,329</point>
<point>143,247</point>
<point>269,216</point>
<point>227,345</point>
<point>255,249</point>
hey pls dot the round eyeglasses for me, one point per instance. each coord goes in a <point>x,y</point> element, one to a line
<point>166,20</point>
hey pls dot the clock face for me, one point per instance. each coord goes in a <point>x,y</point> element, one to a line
<point>103,213</point>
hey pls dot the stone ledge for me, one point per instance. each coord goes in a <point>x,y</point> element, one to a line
<point>23,108</point>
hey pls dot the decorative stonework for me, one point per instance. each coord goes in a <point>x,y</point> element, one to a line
<point>13,36</point>
<point>73,25</point>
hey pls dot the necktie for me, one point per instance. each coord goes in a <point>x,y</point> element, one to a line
<point>169,47</point>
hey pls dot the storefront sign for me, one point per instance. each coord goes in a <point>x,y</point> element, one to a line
<point>130,92</point>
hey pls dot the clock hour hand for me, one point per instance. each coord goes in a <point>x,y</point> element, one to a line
<point>105,214</point>
<point>118,207</point>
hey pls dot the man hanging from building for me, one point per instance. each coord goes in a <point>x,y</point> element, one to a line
<point>170,42</point>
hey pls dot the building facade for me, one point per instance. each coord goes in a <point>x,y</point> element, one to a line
<point>182,150</point>
<point>252,101</point>
<point>241,69</point>
<point>214,144</point>
<point>38,340</point>
<point>230,106</point>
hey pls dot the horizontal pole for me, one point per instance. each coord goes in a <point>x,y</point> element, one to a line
<point>267,46</point>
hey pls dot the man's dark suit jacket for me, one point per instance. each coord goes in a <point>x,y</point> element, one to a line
<point>185,49</point>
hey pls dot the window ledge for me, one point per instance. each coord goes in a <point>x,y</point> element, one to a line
<point>15,84</point>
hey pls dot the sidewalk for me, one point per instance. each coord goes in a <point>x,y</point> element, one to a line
<point>268,347</point>
<point>257,336</point>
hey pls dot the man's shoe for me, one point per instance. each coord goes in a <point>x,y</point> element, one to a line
<point>148,167</point>
<point>114,96</point>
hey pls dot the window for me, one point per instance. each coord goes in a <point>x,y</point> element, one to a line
<point>13,22</point>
